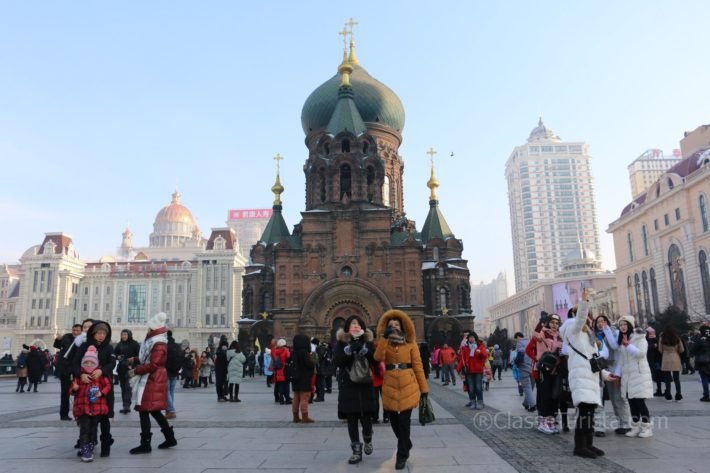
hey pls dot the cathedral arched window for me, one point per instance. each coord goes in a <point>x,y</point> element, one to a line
<point>637,287</point>
<point>630,244</point>
<point>644,235</point>
<point>345,181</point>
<point>630,291</point>
<point>703,203</point>
<point>443,298</point>
<point>326,147</point>
<point>705,278</point>
<point>321,184</point>
<point>654,290</point>
<point>435,253</point>
<point>248,302</point>
<point>646,297</point>
<point>370,183</point>
<point>345,146</point>
<point>386,192</point>
<point>365,147</point>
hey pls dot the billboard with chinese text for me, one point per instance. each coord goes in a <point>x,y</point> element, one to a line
<point>242,214</point>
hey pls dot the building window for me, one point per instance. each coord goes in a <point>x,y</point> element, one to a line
<point>49,281</point>
<point>223,319</point>
<point>655,224</point>
<point>321,184</point>
<point>208,319</point>
<point>630,291</point>
<point>630,243</point>
<point>34,281</point>
<point>677,280</point>
<point>386,192</point>
<point>705,279</point>
<point>644,234</point>
<point>34,303</point>
<point>435,253</point>
<point>666,220</point>
<point>86,307</point>
<point>136,303</point>
<point>41,304</point>
<point>703,203</point>
<point>677,214</point>
<point>443,299</point>
<point>86,291</point>
<point>345,180</point>
<point>670,183</point>
<point>646,298</point>
<point>108,290</point>
<point>108,307</point>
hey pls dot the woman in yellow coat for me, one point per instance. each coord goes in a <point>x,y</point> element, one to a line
<point>404,380</point>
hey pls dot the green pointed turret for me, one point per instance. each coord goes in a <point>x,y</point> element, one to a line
<point>276,230</point>
<point>346,116</point>
<point>435,225</point>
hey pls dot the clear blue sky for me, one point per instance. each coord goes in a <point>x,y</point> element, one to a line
<point>105,106</point>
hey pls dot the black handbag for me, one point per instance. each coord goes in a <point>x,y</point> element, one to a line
<point>426,413</point>
<point>597,363</point>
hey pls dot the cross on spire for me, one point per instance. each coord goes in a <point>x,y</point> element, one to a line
<point>344,33</point>
<point>431,153</point>
<point>278,158</point>
<point>350,23</point>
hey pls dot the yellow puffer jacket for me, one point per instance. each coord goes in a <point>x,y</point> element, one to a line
<point>400,388</point>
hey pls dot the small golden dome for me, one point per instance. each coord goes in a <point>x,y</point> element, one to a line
<point>175,213</point>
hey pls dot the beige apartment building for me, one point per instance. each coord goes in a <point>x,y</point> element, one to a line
<point>662,239</point>
<point>552,208</point>
<point>647,168</point>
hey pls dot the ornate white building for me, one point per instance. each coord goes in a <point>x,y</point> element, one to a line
<point>197,282</point>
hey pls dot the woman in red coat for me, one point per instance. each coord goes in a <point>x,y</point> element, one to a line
<point>151,389</point>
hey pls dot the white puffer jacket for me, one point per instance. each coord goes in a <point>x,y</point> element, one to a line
<point>585,385</point>
<point>636,382</point>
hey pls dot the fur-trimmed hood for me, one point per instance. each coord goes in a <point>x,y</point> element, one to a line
<point>410,333</point>
<point>343,336</point>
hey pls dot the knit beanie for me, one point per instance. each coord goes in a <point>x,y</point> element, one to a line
<point>157,321</point>
<point>281,343</point>
<point>99,326</point>
<point>90,361</point>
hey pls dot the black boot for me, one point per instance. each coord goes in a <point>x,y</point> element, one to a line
<point>368,445</point>
<point>357,453</point>
<point>400,463</point>
<point>144,447</point>
<point>169,438</point>
<point>106,442</point>
<point>580,445</point>
<point>590,439</point>
<point>565,424</point>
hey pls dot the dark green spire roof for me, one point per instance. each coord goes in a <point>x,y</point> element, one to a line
<point>435,225</point>
<point>346,116</point>
<point>276,230</point>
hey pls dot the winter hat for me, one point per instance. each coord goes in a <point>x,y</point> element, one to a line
<point>91,359</point>
<point>629,319</point>
<point>157,321</point>
<point>100,326</point>
<point>495,347</point>
<point>281,343</point>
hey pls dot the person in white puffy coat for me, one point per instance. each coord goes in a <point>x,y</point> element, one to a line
<point>635,383</point>
<point>585,385</point>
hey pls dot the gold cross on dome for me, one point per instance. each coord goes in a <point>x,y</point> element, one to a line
<point>351,23</point>
<point>431,154</point>
<point>278,158</point>
<point>264,315</point>
<point>344,34</point>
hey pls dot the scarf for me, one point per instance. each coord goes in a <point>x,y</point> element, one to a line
<point>144,357</point>
<point>397,338</point>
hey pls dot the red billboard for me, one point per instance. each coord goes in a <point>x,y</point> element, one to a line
<point>243,214</point>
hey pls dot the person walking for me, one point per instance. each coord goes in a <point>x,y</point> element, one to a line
<point>221,368</point>
<point>279,357</point>
<point>304,366</point>
<point>404,382</point>
<point>435,361</point>
<point>701,353</point>
<point>35,367</point>
<point>636,384</point>
<point>472,359</point>
<point>21,369</point>
<point>356,397</point>
<point>206,365</point>
<point>173,364</point>
<point>653,356</point>
<point>235,370</point>
<point>524,364</point>
<point>447,358</point>
<point>497,362</point>
<point>151,393</point>
<point>584,383</point>
<point>671,348</point>
<point>268,373</point>
<point>124,350</point>
<point>548,345</point>
<point>65,345</point>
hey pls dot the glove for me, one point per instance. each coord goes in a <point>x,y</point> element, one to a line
<point>348,351</point>
<point>388,332</point>
<point>544,317</point>
<point>363,351</point>
<point>356,346</point>
<point>425,395</point>
<point>80,339</point>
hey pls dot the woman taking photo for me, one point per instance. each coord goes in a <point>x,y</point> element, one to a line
<point>357,401</point>
<point>547,340</point>
<point>404,380</point>
<point>636,384</point>
<point>472,359</point>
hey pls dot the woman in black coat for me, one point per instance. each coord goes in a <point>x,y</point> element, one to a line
<point>35,367</point>
<point>357,402</point>
<point>302,382</point>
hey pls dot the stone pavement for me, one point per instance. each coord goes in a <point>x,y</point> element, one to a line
<point>257,435</point>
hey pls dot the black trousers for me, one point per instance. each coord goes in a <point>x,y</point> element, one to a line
<point>159,418</point>
<point>87,428</point>
<point>353,421</point>
<point>400,422</point>
<point>639,411</point>
<point>585,417</point>
<point>126,392</point>
<point>320,386</point>
<point>65,381</point>
<point>221,385</point>
<point>546,404</point>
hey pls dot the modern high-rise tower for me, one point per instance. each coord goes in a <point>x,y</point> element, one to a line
<point>552,210</point>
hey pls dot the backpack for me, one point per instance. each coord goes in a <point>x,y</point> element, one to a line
<point>175,357</point>
<point>519,359</point>
<point>289,369</point>
<point>548,363</point>
<point>360,372</point>
<point>276,363</point>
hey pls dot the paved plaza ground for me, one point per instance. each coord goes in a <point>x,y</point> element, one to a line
<point>257,435</point>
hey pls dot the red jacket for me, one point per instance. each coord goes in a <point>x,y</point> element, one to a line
<point>155,396</point>
<point>82,407</point>
<point>283,354</point>
<point>475,363</point>
<point>447,356</point>
<point>378,374</point>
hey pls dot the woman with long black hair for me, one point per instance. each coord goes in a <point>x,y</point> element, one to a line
<point>671,348</point>
<point>636,384</point>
